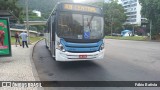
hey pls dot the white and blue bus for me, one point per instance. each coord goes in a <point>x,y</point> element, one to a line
<point>75,32</point>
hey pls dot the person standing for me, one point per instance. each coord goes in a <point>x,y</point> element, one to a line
<point>17,38</point>
<point>24,36</point>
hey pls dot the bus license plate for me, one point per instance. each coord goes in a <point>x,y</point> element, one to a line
<point>82,56</point>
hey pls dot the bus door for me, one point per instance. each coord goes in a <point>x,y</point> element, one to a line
<point>53,35</point>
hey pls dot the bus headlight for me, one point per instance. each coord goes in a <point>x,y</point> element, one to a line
<point>102,47</point>
<point>60,47</point>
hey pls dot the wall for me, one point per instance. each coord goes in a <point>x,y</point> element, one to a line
<point>32,33</point>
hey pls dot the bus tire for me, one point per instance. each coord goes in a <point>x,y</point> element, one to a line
<point>54,58</point>
<point>46,46</point>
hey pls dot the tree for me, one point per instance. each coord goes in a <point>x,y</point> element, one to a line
<point>114,17</point>
<point>98,3</point>
<point>151,10</point>
<point>11,5</point>
<point>39,28</point>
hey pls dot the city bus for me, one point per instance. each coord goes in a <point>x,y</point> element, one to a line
<point>75,32</point>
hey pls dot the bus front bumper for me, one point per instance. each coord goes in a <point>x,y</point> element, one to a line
<point>68,56</point>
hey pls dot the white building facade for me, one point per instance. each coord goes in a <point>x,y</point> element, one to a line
<point>133,11</point>
<point>108,1</point>
<point>38,13</point>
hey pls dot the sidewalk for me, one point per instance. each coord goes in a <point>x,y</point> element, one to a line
<point>19,67</point>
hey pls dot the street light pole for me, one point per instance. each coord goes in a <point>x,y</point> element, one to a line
<point>133,30</point>
<point>27,25</point>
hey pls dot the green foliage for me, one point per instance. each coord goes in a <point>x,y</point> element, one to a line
<point>128,26</point>
<point>33,16</point>
<point>44,6</point>
<point>32,40</point>
<point>135,38</point>
<point>12,6</point>
<point>40,28</point>
<point>114,17</point>
<point>151,10</point>
<point>98,4</point>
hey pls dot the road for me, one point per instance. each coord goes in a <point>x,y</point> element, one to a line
<point>124,61</point>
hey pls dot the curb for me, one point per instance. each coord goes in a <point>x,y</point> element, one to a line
<point>35,45</point>
<point>135,40</point>
<point>34,71</point>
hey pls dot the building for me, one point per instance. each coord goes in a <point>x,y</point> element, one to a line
<point>133,11</point>
<point>109,1</point>
<point>38,13</point>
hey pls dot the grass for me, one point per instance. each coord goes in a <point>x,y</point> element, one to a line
<point>35,39</point>
<point>136,38</point>
<point>32,40</point>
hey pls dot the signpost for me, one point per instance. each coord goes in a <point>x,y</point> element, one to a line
<point>5,45</point>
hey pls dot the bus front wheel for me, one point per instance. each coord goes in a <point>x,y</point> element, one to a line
<point>46,43</point>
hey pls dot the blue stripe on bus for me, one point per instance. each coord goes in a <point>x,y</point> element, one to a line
<point>68,46</point>
<point>81,49</point>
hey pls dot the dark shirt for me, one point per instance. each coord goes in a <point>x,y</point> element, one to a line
<point>16,35</point>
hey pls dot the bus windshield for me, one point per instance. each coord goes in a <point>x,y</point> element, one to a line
<point>79,26</point>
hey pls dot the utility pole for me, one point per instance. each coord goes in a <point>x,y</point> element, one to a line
<point>111,16</point>
<point>133,30</point>
<point>103,6</point>
<point>150,29</point>
<point>27,25</point>
<point>111,24</point>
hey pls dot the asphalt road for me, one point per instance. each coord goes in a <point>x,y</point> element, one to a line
<point>124,61</point>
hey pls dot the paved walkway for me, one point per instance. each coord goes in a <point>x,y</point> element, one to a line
<point>19,67</point>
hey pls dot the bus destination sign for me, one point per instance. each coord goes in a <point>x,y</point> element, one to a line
<point>83,8</point>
